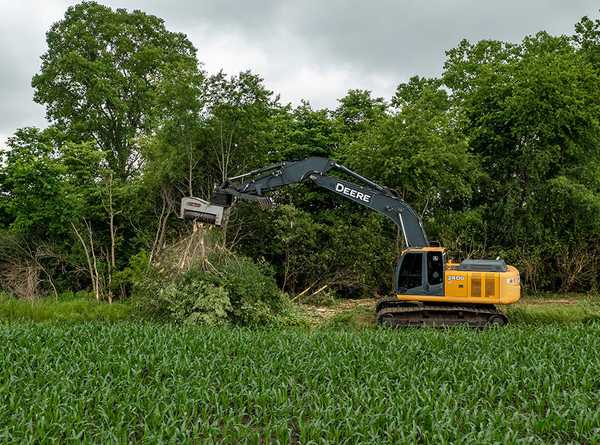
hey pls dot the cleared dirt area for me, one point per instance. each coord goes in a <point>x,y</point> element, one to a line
<point>324,313</point>
<point>550,305</point>
<point>546,301</point>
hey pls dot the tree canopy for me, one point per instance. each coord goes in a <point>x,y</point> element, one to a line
<point>499,155</point>
<point>113,75</point>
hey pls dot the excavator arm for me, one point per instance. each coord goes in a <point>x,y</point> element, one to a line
<point>253,185</point>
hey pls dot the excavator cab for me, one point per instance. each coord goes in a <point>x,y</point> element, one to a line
<point>420,271</point>
<point>425,274</point>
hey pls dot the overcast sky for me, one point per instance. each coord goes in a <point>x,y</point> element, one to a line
<point>313,49</point>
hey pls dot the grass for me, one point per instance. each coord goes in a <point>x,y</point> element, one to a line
<point>533,309</point>
<point>148,383</point>
<point>578,311</point>
<point>554,296</point>
<point>69,307</point>
<point>361,317</point>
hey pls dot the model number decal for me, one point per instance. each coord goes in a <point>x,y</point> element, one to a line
<point>341,188</point>
<point>456,278</point>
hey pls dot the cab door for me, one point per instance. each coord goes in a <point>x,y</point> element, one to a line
<point>409,275</point>
<point>421,273</point>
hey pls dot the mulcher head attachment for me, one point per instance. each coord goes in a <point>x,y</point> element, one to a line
<point>215,211</point>
<point>203,211</point>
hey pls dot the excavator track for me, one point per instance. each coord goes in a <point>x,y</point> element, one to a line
<point>395,313</point>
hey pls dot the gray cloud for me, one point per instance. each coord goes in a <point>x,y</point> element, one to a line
<point>310,49</point>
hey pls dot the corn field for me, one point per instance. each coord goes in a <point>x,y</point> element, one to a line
<point>148,383</point>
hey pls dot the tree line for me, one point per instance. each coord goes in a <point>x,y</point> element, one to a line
<point>499,155</point>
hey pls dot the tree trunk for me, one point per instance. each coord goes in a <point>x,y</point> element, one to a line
<point>91,267</point>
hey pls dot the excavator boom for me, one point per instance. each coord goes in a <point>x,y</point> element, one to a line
<point>253,185</point>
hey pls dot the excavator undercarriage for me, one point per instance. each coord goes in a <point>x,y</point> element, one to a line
<point>390,312</point>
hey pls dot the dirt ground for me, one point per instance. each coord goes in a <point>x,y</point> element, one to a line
<point>540,301</point>
<point>324,313</point>
<point>321,314</point>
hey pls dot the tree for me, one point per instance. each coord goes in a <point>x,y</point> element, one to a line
<point>109,76</point>
<point>530,112</point>
<point>587,39</point>
<point>310,132</point>
<point>33,196</point>
<point>50,186</point>
<point>417,150</point>
<point>358,110</point>
<point>238,123</point>
<point>427,92</point>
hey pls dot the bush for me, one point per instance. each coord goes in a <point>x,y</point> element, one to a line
<point>315,243</point>
<point>196,301</point>
<point>221,287</point>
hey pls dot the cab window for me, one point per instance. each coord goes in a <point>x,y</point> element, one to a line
<point>410,271</point>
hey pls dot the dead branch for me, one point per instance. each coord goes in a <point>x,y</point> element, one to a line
<point>90,258</point>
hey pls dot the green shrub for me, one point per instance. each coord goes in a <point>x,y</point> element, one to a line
<point>196,301</point>
<point>255,296</point>
<point>221,288</point>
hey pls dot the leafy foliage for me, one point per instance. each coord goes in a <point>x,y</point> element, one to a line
<point>222,288</point>
<point>531,114</point>
<point>499,155</point>
<point>195,301</point>
<point>109,76</point>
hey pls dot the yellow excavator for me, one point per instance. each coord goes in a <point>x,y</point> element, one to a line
<point>430,289</point>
